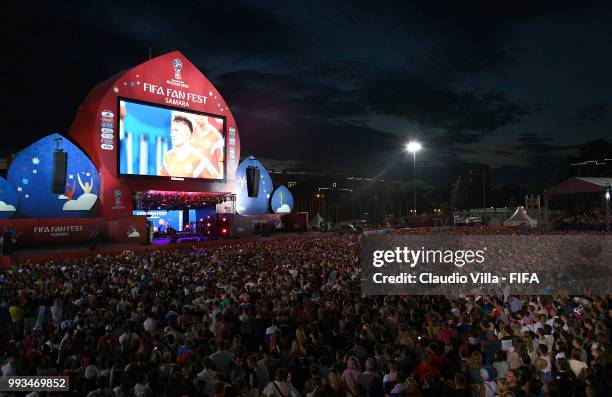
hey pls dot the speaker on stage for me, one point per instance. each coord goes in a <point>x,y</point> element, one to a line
<point>252,177</point>
<point>60,164</point>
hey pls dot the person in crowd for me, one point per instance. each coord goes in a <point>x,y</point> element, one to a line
<point>513,377</point>
<point>280,387</point>
<point>488,387</point>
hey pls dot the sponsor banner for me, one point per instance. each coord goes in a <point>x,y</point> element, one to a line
<point>107,124</point>
<point>493,264</point>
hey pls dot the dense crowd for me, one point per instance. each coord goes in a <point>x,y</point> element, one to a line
<point>594,219</point>
<point>286,318</point>
<point>496,230</point>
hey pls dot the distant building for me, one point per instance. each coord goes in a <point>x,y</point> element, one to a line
<point>592,168</point>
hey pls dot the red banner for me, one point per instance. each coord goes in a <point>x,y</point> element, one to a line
<point>33,232</point>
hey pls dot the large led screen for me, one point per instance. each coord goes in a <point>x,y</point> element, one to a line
<point>159,141</point>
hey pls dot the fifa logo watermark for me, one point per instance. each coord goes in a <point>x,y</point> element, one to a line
<point>178,65</point>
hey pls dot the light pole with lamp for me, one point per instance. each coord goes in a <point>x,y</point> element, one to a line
<point>607,195</point>
<point>413,147</point>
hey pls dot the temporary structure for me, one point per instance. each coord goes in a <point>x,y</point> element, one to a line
<point>520,218</point>
<point>316,220</point>
<point>580,185</point>
<point>494,221</point>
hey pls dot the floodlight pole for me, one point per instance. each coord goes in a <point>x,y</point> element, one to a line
<point>607,196</point>
<point>414,181</point>
<point>414,147</point>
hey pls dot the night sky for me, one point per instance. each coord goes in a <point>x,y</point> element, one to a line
<point>340,86</point>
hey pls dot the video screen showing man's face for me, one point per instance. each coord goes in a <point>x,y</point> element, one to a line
<point>166,142</point>
<point>180,132</point>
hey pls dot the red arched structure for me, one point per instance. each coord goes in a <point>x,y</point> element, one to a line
<point>157,82</point>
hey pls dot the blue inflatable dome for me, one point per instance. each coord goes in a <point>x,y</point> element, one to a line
<point>282,201</point>
<point>246,205</point>
<point>8,200</point>
<point>31,175</point>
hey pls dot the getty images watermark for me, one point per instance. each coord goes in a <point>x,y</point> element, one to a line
<point>458,258</point>
<point>438,264</point>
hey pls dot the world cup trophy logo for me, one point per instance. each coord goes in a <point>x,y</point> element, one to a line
<point>117,195</point>
<point>178,65</point>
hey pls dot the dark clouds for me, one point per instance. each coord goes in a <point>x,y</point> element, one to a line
<point>598,112</point>
<point>333,86</point>
<point>537,144</point>
<point>462,116</point>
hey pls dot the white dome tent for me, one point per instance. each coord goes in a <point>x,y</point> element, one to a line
<point>520,218</point>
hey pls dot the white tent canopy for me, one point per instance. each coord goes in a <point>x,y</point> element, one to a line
<point>520,218</point>
<point>316,221</point>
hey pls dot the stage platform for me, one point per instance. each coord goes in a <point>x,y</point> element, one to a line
<point>80,251</point>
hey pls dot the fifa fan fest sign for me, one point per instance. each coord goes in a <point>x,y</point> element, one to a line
<point>173,96</point>
<point>161,125</point>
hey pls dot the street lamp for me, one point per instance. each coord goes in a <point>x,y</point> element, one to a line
<point>322,204</point>
<point>413,147</point>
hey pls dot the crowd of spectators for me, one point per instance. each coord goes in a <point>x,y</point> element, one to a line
<point>497,230</point>
<point>287,318</point>
<point>588,220</point>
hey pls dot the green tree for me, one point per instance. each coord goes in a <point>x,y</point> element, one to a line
<point>426,195</point>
